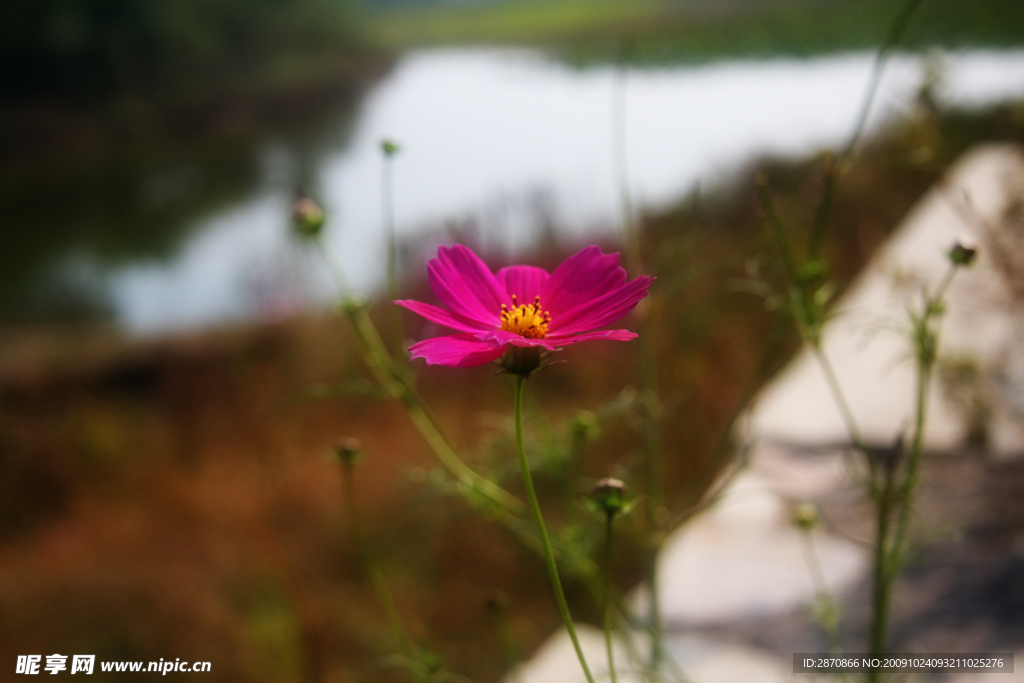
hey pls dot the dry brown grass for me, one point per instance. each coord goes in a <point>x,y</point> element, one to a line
<point>169,499</point>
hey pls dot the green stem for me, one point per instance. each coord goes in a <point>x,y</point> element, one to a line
<point>926,348</point>
<point>648,362</point>
<point>913,465</point>
<point>828,622</point>
<point>883,576</point>
<point>388,210</point>
<point>811,336</point>
<point>657,653</point>
<point>896,30</point>
<point>631,234</point>
<point>844,409</point>
<point>778,232</point>
<point>889,560</point>
<point>399,384</point>
<point>940,291</point>
<point>504,501</point>
<point>380,586</point>
<point>654,475</point>
<point>549,556</point>
<point>608,594</point>
<point>509,648</point>
<point>334,266</point>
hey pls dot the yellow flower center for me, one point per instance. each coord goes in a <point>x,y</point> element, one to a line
<point>527,320</point>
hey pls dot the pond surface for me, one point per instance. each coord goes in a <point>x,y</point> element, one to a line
<point>515,139</point>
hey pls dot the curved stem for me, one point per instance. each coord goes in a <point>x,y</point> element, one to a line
<point>334,266</point>
<point>398,383</point>
<point>503,500</point>
<point>549,556</point>
<point>896,30</point>
<point>608,595</point>
<point>654,467</point>
<point>847,413</point>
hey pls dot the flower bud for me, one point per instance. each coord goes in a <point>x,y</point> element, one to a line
<point>813,269</point>
<point>348,450</point>
<point>609,495</point>
<point>963,252</point>
<point>584,425</point>
<point>307,217</point>
<point>390,147</point>
<point>806,517</point>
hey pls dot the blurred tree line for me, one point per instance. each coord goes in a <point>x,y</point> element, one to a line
<point>89,50</point>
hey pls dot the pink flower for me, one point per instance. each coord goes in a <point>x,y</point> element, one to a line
<point>522,307</point>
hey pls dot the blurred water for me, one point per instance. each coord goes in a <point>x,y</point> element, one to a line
<point>515,138</point>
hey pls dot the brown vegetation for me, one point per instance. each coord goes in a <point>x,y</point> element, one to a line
<point>175,498</point>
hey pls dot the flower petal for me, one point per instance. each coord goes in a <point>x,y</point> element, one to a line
<point>583,276</point>
<point>526,282</point>
<point>442,317</point>
<point>505,337</point>
<point>456,351</point>
<point>466,285</point>
<point>616,335</point>
<point>602,310</point>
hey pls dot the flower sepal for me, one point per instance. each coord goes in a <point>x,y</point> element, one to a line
<point>609,497</point>
<point>348,451</point>
<point>307,217</point>
<point>523,361</point>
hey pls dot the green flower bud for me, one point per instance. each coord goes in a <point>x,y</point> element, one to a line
<point>609,496</point>
<point>963,252</point>
<point>348,450</point>
<point>584,425</point>
<point>390,147</point>
<point>806,516</point>
<point>307,217</point>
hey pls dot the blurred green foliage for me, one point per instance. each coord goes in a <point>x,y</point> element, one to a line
<point>90,49</point>
<point>663,31</point>
<point>143,115</point>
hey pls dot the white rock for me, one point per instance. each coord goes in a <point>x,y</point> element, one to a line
<point>867,343</point>
<point>744,559</point>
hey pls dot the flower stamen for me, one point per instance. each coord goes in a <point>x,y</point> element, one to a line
<point>528,320</point>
